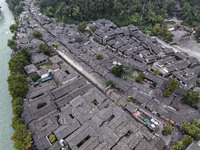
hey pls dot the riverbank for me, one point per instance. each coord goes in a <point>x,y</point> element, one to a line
<point>6,19</point>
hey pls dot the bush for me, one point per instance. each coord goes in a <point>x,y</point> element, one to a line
<point>167,130</point>
<point>117,70</point>
<point>99,56</point>
<point>153,85</point>
<point>37,34</point>
<point>52,138</point>
<point>128,100</point>
<point>110,82</point>
<point>35,77</point>
<point>140,78</point>
<point>40,105</point>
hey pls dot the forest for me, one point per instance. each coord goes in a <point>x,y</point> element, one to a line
<point>122,12</point>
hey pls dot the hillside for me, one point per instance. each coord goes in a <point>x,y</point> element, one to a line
<point>122,12</point>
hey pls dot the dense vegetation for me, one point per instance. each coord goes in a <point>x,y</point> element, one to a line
<point>181,145</point>
<point>16,6</point>
<point>190,12</point>
<point>121,12</point>
<point>192,128</point>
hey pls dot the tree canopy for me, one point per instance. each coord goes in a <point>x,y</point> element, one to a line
<point>167,129</point>
<point>171,86</point>
<point>44,49</point>
<point>82,26</point>
<point>117,70</point>
<point>17,85</point>
<point>13,27</point>
<point>191,97</point>
<point>12,45</point>
<point>21,138</point>
<point>137,12</point>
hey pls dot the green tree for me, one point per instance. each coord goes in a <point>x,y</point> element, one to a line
<point>13,28</point>
<point>17,101</point>
<point>166,93</point>
<point>82,26</point>
<point>23,51</point>
<point>191,97</point>
<point>35,77</point>
<point>196,122</point>
<point>44,49</point>
<point>99,56</point>
<point>17,110</point>
<point>178,146</point>
<point>17,63</point>
<point>187,140</point>
<point>117,70</point>
<point>16,121</point>
<point>12,45</point>
<point>37,34</point>
<point>21,138</point>
<point>167,130</point>
<point>110,83</point>
<point>17,85</point>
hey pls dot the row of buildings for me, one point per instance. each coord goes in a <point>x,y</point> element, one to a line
<point>64,105</point>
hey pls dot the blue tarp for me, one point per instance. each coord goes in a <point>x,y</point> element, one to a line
<point>147,122</point>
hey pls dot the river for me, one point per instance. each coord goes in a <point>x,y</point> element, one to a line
<point>6,19</point>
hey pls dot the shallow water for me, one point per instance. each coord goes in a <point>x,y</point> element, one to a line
<point>6,19</point>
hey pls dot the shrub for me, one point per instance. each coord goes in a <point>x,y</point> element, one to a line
<point>110,82</point>
<point>37,34</point>
<point>35,77</point>
<point>128,99</point>
<point>99,56</point>
<point>140,78</point>
<point>52,138</point>
<point>40,105</point>
<point>153,85</point>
